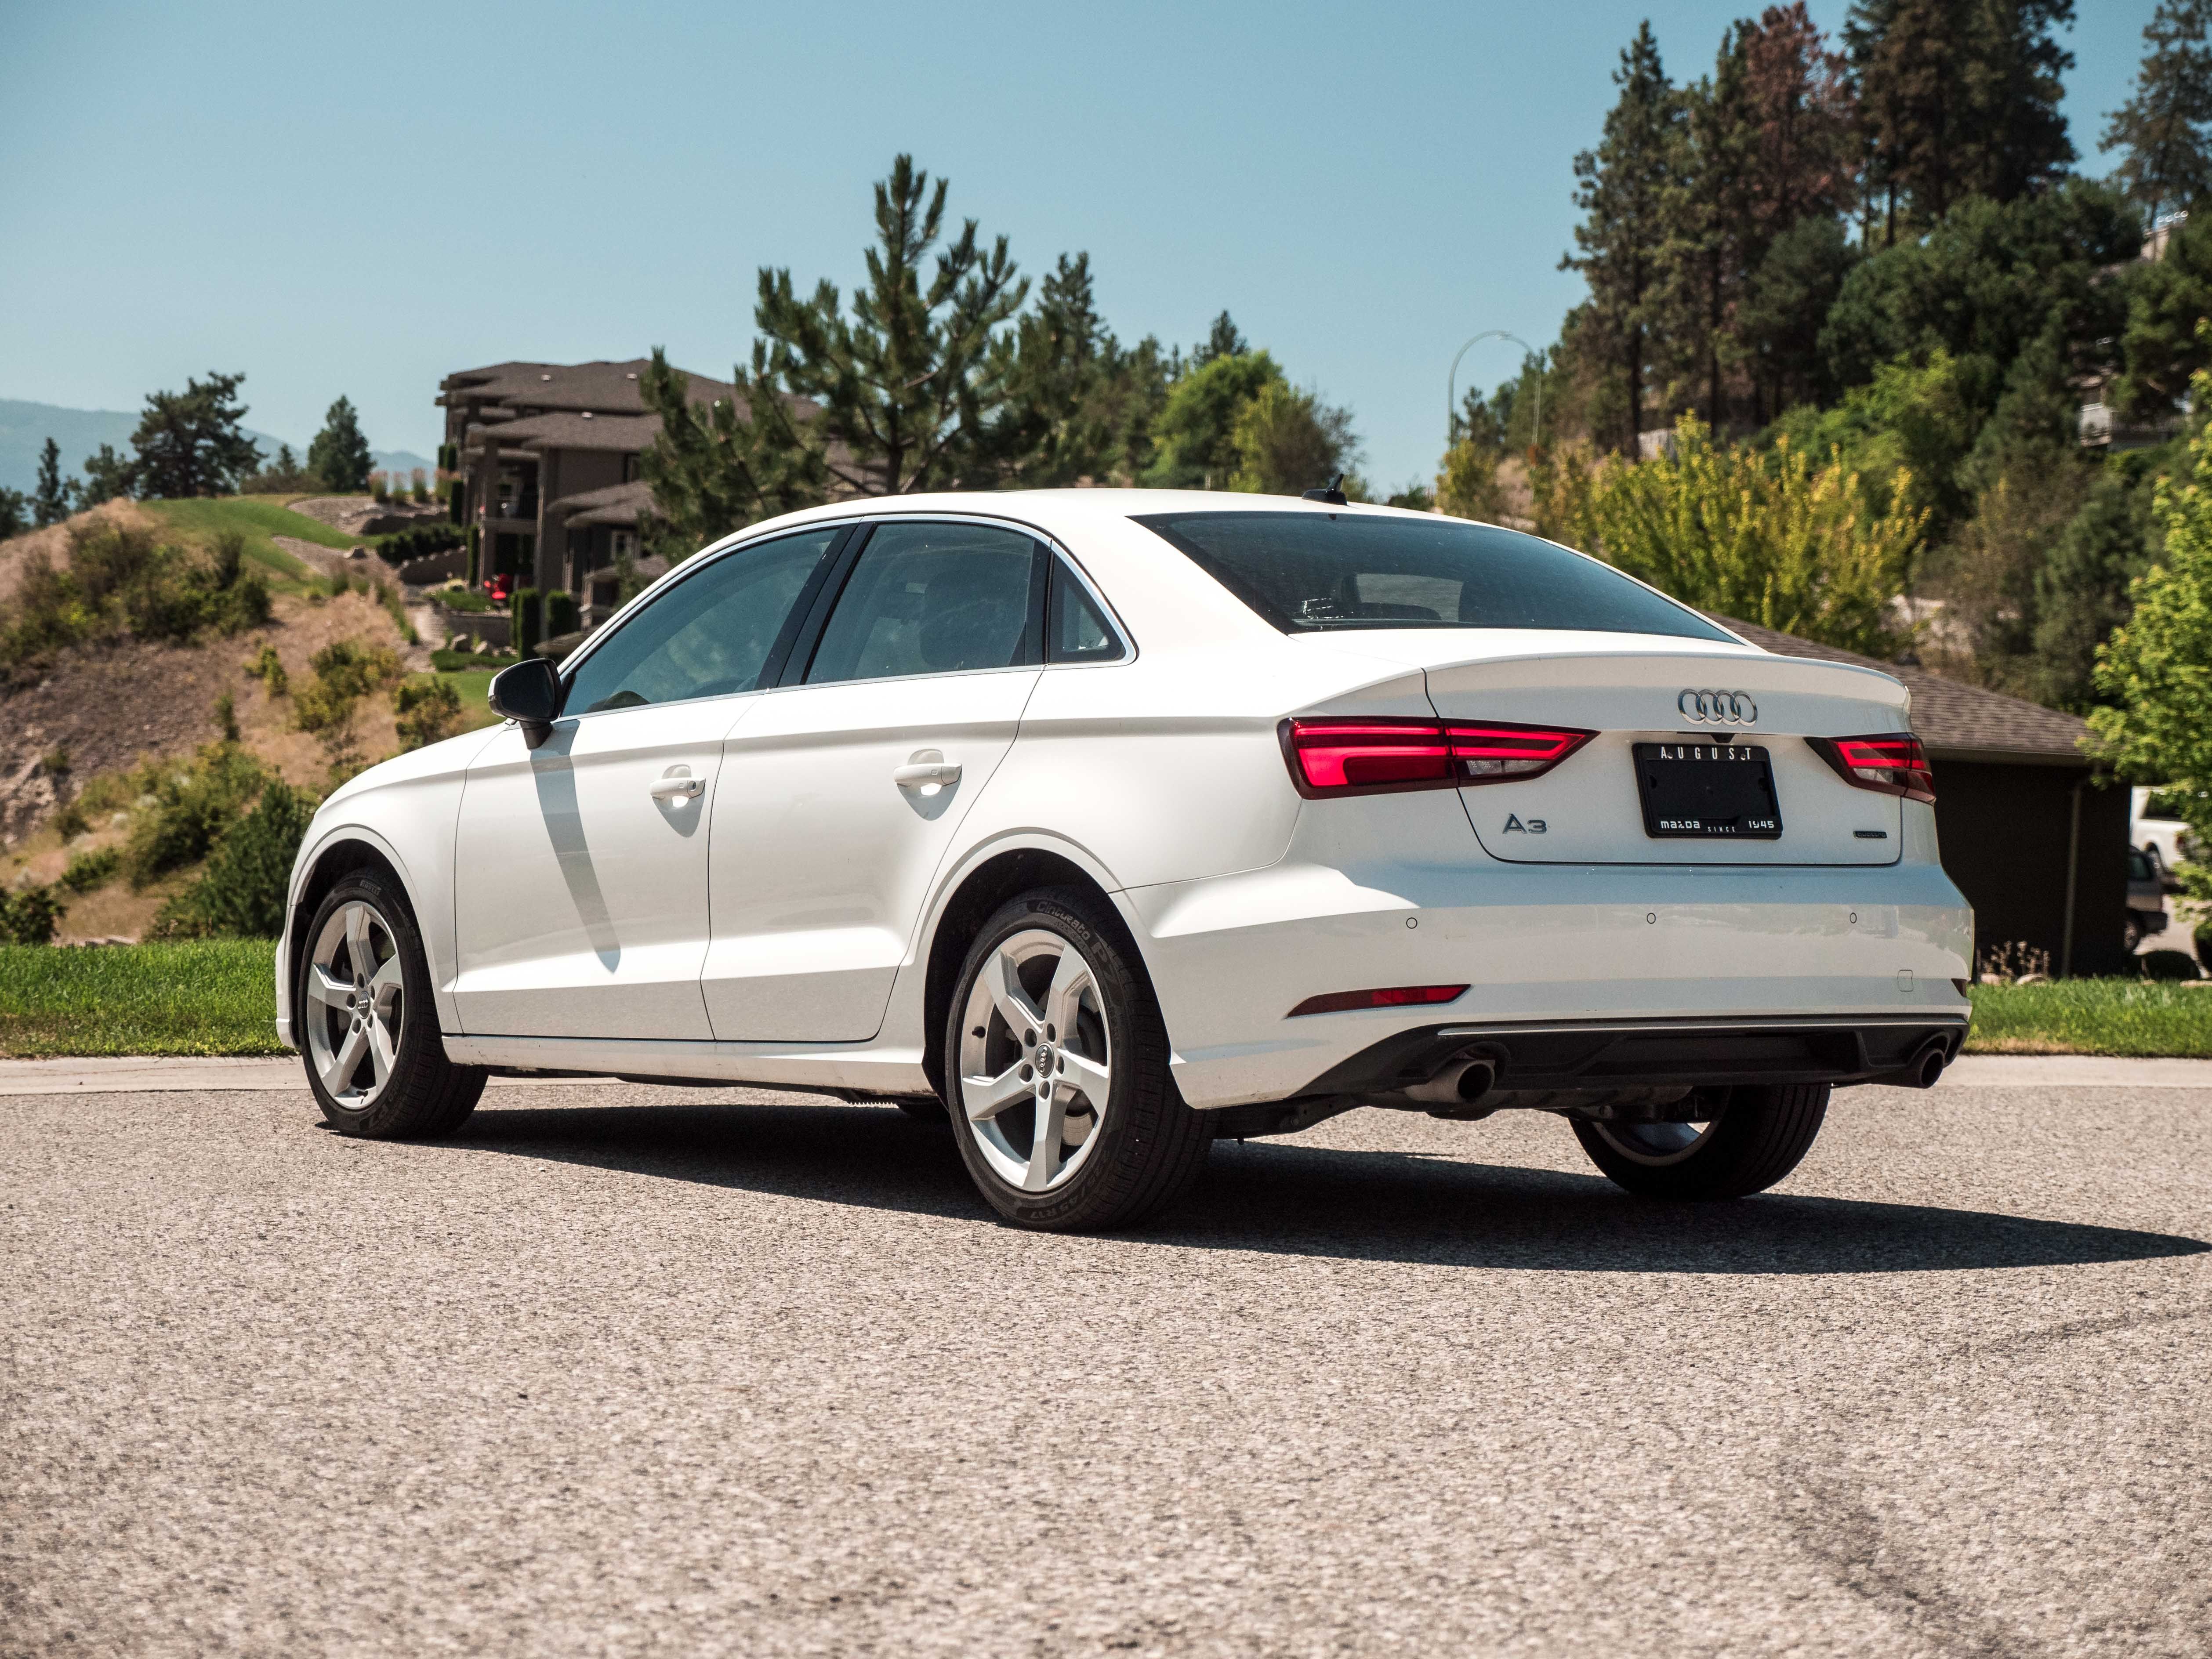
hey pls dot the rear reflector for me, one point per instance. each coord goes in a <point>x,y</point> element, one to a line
<point>1893,763</point>
<point>1372,756</point>
<point>1400,996</point>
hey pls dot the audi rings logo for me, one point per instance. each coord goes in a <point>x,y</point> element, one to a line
<point>1718,707</point>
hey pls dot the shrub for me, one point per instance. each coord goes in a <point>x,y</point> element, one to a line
<point>55,762</point>
<point>529,620</point>
<point>29,915</point>
<point>226,717</point>
<point>379,486</point>
<point>455,496</point>
<point>269,669</point>
<point>190,811</point>
<point>476,549</point>
<point>243,889</point>
<point>118,579</point>
<point>1467,487</point>
<point>345,671</point>
<point>422,486</point>
<point>561,616</point>
<point>429,710</point>
<point>1758,535</point>
<point>418,543</point>
<point>94,869</point>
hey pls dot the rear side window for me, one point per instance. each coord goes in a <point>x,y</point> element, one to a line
<point>1311,572</point>
<point>1076,629</point>
<point>934,598</point>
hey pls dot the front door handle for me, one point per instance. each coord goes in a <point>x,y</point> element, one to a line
<point>678,785</point>
<point>925,767</point>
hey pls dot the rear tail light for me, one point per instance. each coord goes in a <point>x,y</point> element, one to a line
<point>1372,756</point>
<point>1893,763</point>
<point>1397,996</point>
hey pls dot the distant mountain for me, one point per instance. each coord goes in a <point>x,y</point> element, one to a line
<point>25,427</point>
<point>402,461</point>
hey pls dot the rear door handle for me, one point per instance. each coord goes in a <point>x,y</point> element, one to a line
<point>678,785</point>
<point>925,767</point>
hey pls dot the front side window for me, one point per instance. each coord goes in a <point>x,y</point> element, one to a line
<point>934,598</point>
<point>1309,572</point>
<point>709,634</point>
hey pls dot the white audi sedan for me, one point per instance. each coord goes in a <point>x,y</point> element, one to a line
<point>1109,822</point>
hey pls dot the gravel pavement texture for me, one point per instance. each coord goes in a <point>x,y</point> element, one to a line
<point>623,1370</point>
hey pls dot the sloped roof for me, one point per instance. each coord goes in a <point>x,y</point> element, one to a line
<point>566,430</point>
<point>1953,719</point>
<point>612,504</point>
<point>603,387</point>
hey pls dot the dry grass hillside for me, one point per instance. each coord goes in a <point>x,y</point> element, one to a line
<point>100,711</point>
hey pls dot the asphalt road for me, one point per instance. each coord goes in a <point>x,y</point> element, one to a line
<point>626,1369</point>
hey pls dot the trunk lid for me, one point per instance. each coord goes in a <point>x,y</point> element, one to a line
<point>1634,690</point>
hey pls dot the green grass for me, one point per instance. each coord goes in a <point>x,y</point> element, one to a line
<point>205,996</point>
<point>469,662</point>
<point>257,518</point>
<point>469,685</point>
<point>215,997</point>
<point>2093,1017</point>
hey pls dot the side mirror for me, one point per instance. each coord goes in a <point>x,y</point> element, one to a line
<point>530,693</point>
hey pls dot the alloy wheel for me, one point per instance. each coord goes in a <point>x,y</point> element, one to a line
<point>355,1003</point>
<point>1658,1144</point>
<point>1036,1061</point>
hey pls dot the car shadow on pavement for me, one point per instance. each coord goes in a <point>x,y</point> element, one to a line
<point>1306,1199</point>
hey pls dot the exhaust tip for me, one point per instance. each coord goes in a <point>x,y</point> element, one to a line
<point>1929,1067</point>
<point>1476,1080</point>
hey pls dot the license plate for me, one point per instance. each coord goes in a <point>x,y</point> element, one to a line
<point>1699,790</point>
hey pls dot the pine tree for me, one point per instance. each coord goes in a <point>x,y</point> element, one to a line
<point>1626,190</point>
<point>1223,340</point>
<point>188,443</point>
<point>904,386</point>
<point>107,476</point>
<point>14,513</point>
<point>2166,128</point>
<point>55,499</point>
<point>1059,426</point>
<point>718,467</point>
<point>338,455</point>
<point>1959,98</point>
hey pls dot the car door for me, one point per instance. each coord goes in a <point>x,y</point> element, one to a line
<point>842,791</point>
<point>581,865</point>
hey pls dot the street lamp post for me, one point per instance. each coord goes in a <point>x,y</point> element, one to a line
<point>1451,389</point>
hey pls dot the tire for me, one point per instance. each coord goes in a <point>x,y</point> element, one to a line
<point>1758,1137</point>
<point>1139,1150</point>
<point>922,1110</point>
<point>388,1006</point>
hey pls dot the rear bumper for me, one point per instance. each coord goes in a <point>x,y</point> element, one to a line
<point>1584,1054</point>
<point>1548,949</point>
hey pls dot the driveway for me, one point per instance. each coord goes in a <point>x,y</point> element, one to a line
<point>624,1370</point>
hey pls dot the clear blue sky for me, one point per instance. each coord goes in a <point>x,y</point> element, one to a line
<point>359,201</point>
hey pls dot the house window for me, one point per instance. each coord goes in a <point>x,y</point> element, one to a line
<point>625,544</point>
<point>629,469</point>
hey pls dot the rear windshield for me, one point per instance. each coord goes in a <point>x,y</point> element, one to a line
<point>1306,572</point>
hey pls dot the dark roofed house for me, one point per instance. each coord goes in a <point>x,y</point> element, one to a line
<point>531,440</point>
<point>2035,839</point>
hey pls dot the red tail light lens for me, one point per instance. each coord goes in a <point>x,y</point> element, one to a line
<point>1399,996</point>
<point>1353,757</point>
<point>1893,763</point>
